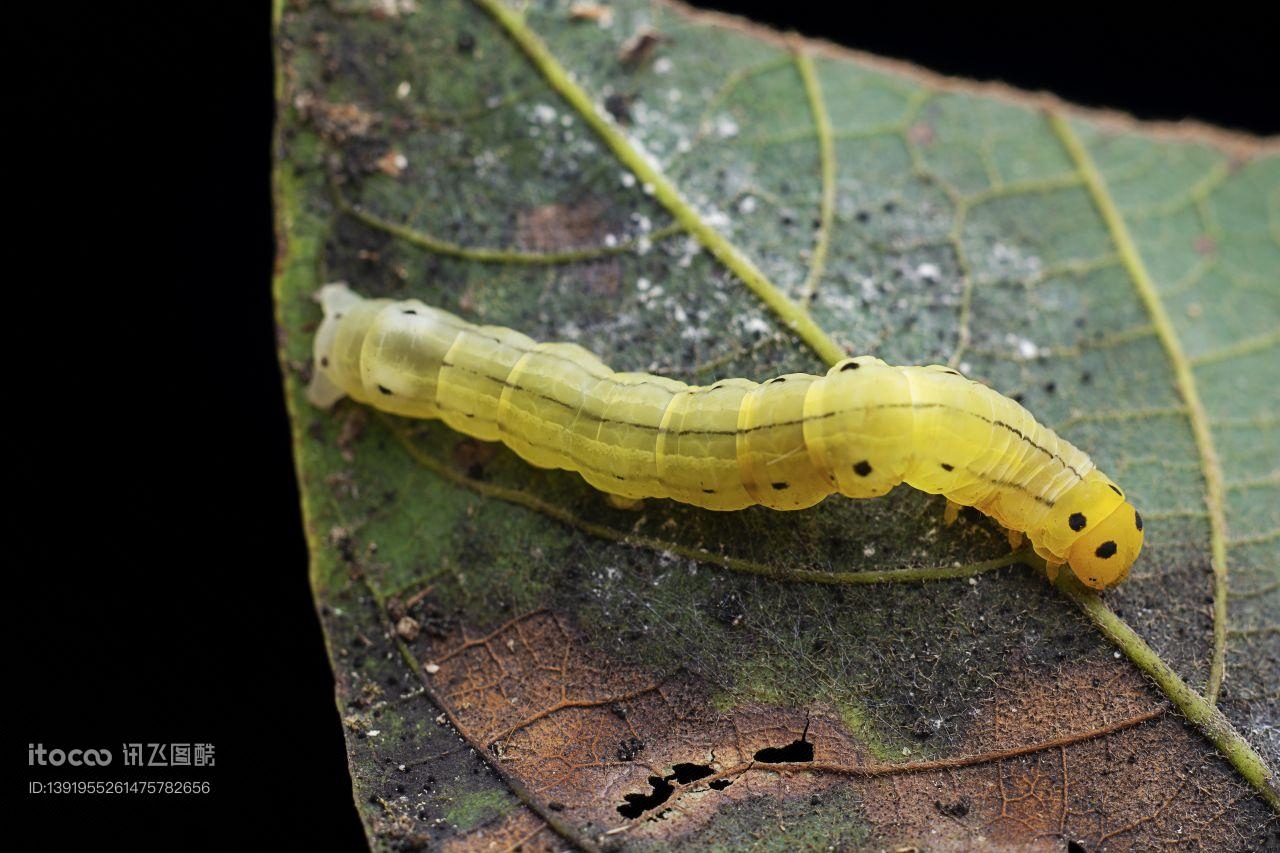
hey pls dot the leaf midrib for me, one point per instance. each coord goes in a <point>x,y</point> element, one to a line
<point>1184,378</point>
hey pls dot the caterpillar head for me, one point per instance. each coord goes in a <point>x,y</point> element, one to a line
<point>1102,556</point>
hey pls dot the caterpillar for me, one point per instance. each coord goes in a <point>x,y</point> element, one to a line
<point>786,443</point>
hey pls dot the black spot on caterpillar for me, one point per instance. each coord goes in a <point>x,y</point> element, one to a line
<point>860,430</point>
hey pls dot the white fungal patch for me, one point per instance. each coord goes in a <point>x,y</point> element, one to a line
<point>726,127</point>
<point>690,250</point>
<point>488,164</point>
<point>929,272</point>
<point>716,218</point>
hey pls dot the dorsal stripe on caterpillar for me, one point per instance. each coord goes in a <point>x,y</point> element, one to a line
<point>786,443</point>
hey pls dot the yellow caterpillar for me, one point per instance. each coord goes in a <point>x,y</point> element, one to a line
<point>786,443</point>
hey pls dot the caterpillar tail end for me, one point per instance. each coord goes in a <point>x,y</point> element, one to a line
<point>335,299</point>
<point>322,393</point>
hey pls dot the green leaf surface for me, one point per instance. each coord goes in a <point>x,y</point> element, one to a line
<point>520,663</point>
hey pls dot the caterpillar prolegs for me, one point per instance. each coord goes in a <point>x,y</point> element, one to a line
<point>786,443</point>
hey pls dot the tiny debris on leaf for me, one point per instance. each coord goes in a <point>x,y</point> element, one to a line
<point>593,12</point>
<point>408,629</point>
<point>640,48</point>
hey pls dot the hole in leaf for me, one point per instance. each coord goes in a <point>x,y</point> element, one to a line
<point>797,750</point>
<point>638,804</point>
<point>687,772</point>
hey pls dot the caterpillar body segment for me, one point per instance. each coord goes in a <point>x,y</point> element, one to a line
<point>786,443</point>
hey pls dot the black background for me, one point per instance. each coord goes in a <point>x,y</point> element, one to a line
<point>170,602</point>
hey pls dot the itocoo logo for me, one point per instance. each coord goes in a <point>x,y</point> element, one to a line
<point>37,754</point>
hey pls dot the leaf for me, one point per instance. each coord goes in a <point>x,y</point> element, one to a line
<point>519,663</point>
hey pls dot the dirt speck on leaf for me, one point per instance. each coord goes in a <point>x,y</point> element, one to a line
<point>561,226</point>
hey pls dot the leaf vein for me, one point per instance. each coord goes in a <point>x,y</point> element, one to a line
<point>1211,467</point>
